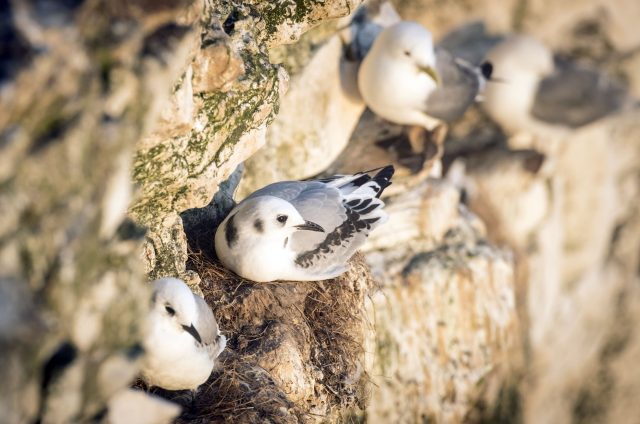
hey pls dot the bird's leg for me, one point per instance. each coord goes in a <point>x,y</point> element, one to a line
<point>434,149</point>
<point>416,135</point>
<point>428,148</point>
<point>417,148</point>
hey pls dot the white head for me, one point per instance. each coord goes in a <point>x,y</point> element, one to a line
<point>173,301</point>
<point>267,219</point>
<point>520,55</point>
<point>519,63</point>
<point>410,43</point>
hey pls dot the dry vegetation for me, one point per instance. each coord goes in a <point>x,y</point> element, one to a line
<point>309,333</point>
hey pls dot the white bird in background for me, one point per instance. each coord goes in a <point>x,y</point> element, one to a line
<point>302,230</point>
<point>405,80</point>
<point>543,95</point>
<point>183,338</point>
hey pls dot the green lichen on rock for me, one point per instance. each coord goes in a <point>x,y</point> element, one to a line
<point>181,171</point>
<point>76,281</point>
<point>276,13</point>
<point>283,21</point>
<point>226,117</point>
<point>295,56</point>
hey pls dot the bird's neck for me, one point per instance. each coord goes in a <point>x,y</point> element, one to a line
<point>262,259</point>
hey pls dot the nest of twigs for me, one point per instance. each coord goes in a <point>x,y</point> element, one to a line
<point>294,352</point>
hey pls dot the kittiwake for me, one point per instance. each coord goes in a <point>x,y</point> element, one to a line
<point>302,230</point>
<point>543,95</point>
<point>183,339</point>
<point>405,80</point>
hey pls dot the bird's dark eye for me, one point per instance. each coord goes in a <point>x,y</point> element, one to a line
<point>282,218</point>
<point>407,53</point>
<point>170,310</point>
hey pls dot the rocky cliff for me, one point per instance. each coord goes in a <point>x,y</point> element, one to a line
<point>506,291</point>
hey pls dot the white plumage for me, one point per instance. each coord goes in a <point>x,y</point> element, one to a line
<point>404,79</point>
<point>302,230</point>
<point>183,339</point>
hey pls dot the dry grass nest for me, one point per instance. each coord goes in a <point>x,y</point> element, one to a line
<point>294,352</point>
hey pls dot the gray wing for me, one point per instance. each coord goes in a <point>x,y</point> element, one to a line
<point>346,206</point>
<point>207,326</point>
<point>365,34</point>
<point>470,42</point>
<point>574,96</point>
<point>315,201</point>
<point>362,210</point>
<point>364,31</point>
<point>458,90</point>
<point>336,248</point>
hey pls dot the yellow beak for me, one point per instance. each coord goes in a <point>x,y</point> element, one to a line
<point>432,73</point>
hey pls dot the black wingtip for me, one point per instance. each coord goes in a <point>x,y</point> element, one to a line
<point>383,178</point>
<point>486,69</point>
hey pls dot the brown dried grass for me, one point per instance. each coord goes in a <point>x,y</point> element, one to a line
<point>324,321</point>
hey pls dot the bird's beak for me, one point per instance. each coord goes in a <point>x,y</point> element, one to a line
<point>429,70</point>
<point>310,226</point>
<point>192,330</point>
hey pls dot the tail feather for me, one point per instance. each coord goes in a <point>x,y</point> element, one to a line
<point>383,178</point>
<point>348,184</point>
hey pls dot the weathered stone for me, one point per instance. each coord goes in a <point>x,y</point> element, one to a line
<point>324,86</point>
<point>424,212</point>
<point>440,281</point>
<point>214,121</point>
<point>312,126</point>
<point>509,192</point>
<point>442,325</point>
<point>559,25</point>
<point>135,406</point>
<point>71,113</point>
<point>284,21</point>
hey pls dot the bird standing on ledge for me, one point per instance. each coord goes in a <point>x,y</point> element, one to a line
<point>405,80</point>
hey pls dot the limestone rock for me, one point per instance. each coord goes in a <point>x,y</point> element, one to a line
<point>313,125</point>
<point>424,212</point>
<point>441,327</point>
<point>283,21</point>
<point>71,113</point>
<point>134,406</point>
<point>510,193</point>
<point>440,281</point>
<point>575,265</point>
<point>320,111</point>
<point>218,113</point>
<point>596,22</point>
<point>588,319</point>
<point>179,164</point>
<point>445,315</point>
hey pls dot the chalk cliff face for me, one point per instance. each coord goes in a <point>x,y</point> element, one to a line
<point>507,290</point>
<point>173,93</point>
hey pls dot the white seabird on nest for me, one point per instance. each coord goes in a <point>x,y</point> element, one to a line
<point>183,339</point>
<point>302,230</point>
